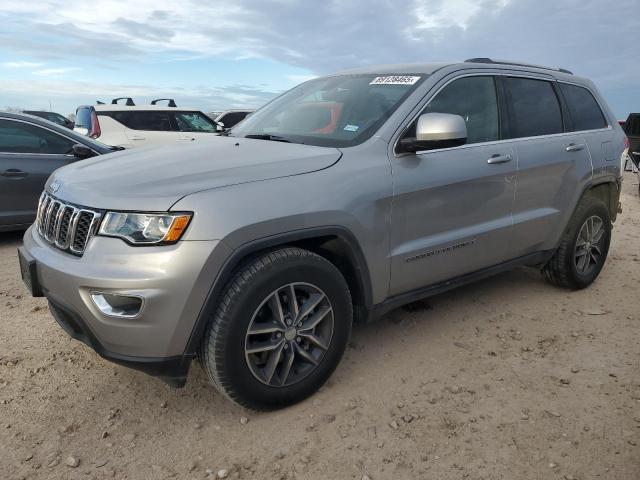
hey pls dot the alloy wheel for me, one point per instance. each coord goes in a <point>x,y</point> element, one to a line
<point>289,334</point>
<point>589,245</point>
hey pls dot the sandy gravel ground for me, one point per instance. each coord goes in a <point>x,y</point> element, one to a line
<point>510,378</point>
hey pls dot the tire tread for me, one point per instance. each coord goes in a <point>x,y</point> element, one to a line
<point>211,351</point>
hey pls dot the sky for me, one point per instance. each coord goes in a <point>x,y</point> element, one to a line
<point>241,53</point>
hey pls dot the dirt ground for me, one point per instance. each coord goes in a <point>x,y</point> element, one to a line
<point>509,378</point>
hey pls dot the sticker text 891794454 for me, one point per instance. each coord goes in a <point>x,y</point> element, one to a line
<point>395,80</point>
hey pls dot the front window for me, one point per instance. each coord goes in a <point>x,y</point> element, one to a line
<point>194,122</point>
<point>340,111</point>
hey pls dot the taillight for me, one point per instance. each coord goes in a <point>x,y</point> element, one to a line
<point>626,142</point>
<point>95,125</point>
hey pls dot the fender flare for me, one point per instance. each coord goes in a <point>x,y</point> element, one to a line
<point>355,253</point>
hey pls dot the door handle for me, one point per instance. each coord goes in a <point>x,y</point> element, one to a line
<point>136,137</point>
<point>14,173</point>
<point>572,147</point>
<point>497,159</point>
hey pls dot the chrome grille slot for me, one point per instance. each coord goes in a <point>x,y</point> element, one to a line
<point>66,226</point>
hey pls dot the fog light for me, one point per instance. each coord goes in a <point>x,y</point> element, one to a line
<point>117,305</point>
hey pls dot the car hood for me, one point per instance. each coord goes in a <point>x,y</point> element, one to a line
<point>154,178</point>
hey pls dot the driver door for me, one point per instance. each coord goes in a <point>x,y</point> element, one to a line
<point>452,207</point>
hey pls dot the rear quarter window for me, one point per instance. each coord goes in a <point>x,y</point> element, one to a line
<point>584,110</point>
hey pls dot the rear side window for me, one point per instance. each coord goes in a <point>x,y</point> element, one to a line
<point>583,108</point>
<point>534,108</point>
<point>20,137</point>
<point>142,120</point>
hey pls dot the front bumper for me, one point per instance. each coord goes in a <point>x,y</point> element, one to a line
<point>173,280</point>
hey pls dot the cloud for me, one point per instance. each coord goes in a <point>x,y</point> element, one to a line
<point>328,36</point>
<point>21,64</point>
<point>55,72</point>
<point>204,97</point>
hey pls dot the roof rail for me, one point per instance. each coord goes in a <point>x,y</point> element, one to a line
<point>171,101</point>
<point>128,103</point>
<point>98,102</point>
<point>518,64</point>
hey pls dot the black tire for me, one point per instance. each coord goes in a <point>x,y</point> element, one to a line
<point>562,270</point>
<point>222,351</point>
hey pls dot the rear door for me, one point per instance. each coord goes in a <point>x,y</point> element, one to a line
<point>28,155</point>
<point>148,127</point>
<point>553,162</point>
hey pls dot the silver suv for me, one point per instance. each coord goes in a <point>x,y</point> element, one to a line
<point>340,200</point>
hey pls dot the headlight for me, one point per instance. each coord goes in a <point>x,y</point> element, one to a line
<point>145,228</point>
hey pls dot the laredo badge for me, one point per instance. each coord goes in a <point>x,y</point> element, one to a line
<point>394,80</point>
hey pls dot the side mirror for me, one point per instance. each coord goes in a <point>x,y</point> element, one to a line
<point>220,127</point>
<point>82,151</point>
<point>436,130</point>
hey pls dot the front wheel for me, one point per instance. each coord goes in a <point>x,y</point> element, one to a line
<point>583,248</point>
<point>279,330</point>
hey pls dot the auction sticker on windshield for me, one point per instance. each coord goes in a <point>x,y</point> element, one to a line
<point>394,80</point>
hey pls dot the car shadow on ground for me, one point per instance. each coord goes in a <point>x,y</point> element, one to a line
<point>7,239</point>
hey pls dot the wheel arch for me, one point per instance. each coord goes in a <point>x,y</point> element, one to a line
<point>608,191</point>
<point>335,243</point>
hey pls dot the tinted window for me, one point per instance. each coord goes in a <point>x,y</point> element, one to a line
<point>142,120</point>
<point>474,99</point>
<point>632,126</point>
<point>583,108</point>
<point>233,118</point>
<point>194,122</point>
<point>535,109</point>
<point>20,137</point>
<point>57,118</point>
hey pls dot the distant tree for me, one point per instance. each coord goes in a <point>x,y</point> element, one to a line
<point>14,109</point>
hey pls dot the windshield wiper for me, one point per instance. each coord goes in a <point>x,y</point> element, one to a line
<point>267,136</point>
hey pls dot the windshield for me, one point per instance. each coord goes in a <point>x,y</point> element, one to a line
<point>340,111</point>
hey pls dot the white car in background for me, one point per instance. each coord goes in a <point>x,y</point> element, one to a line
<point>129,125</point>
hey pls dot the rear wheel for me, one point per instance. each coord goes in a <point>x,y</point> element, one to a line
<point>279,331</point>
<point>583,248</point>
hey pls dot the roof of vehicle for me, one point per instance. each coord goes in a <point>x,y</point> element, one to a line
<point>232,110</point>
<point>40,111</point>
<point>429,68</point>
<point>99,147</point>
<point>108,107</point>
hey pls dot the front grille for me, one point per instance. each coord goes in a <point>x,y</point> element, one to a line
<point>66,226</point>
